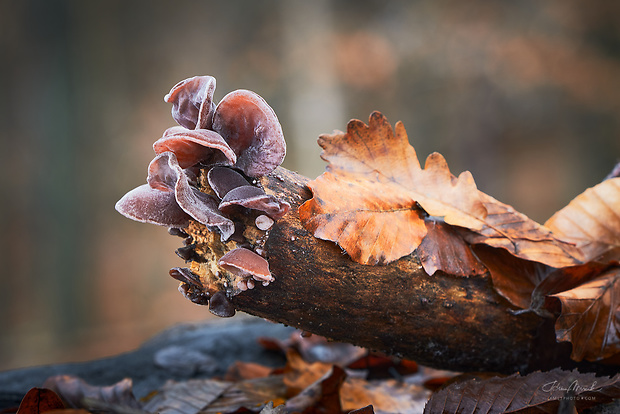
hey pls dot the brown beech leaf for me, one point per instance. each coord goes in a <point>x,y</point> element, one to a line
<point>590,317</point>
<point>563,279</point>
<point>540,392</point>
<point>444,249</point>
<point>321,397</point>
<point>316,348</point>
<point>240,370</point>
<point>367,200</point>
<point>39,401</point>
<point>592,221</point>
<point>513,278</point>
<point>508,229</point>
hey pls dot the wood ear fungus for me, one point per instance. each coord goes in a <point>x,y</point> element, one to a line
<point>246,264</point>
<point>192,102</point>
<point>252,130</point>
<point>221,306</point>
<point>233,142</point>
<point>195,146</point>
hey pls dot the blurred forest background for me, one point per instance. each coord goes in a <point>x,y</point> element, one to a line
<point>525,95</point>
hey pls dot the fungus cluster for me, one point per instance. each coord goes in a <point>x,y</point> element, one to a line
<point>226,147</point>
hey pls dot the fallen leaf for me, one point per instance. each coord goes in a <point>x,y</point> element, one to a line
<point>513,278</point>
<point>74,391</point>
<point>592,221</point>
<point>443,249</point>
<point>299,374</point>
<point>240,370</point>
<point>364,410</point>
<point>373,198</point>
<point>187,397</point>
<point>39,401</point>
<point>321,397</point>
<point>270,409</point>
<point>249,396</point>
<point>590,317</point>
<point>521,236</point>
<point>367,200</point>
<point>563,279</point>
<point>537,392</point>
<point>316,348</point>
<point>385,396</point>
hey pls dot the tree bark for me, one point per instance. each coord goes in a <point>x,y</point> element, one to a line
<point>443,321</point>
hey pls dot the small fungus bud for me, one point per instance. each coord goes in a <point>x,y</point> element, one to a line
<point>263,222</point>
<point>220,305</point>
<point>183,274</point>
<point>245,263</point>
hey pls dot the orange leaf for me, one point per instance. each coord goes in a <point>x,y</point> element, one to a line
<point>367,200</point>
<point>592,221</point>
<point>374,195</point>
<point>590,317</point>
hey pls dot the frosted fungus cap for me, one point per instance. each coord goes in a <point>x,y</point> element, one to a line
<point>251,128</point>
<point>254,198</point>
<point>155,202</point>
<point>222,180</point>
<point>232,142</point>
<point>195,146</point>
<point>148,205</point>
<point>192,102</point>
<point>168,191</point>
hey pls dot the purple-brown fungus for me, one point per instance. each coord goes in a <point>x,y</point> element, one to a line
<point>263,222</point>
<point>252,130</point>
<point>242,124</point>
<point>183,274</point>
<point>194,146</point>
<point>220,305</point>
<point>231,144</point>
<point>192,102</point>
<point>222,180</point>
<point>169,186</point>
<point>149,205</point>
<point>247,265</point>
<point>254,198</point>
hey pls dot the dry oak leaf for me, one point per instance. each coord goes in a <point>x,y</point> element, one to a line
<point>373,197</point>
<point>367,200</point>
<point>592,221</point>
<point>590,317</point>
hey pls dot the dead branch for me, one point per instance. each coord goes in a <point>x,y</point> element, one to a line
<point>456,323</point>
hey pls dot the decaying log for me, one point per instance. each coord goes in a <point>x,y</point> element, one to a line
<point>444,321</point>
